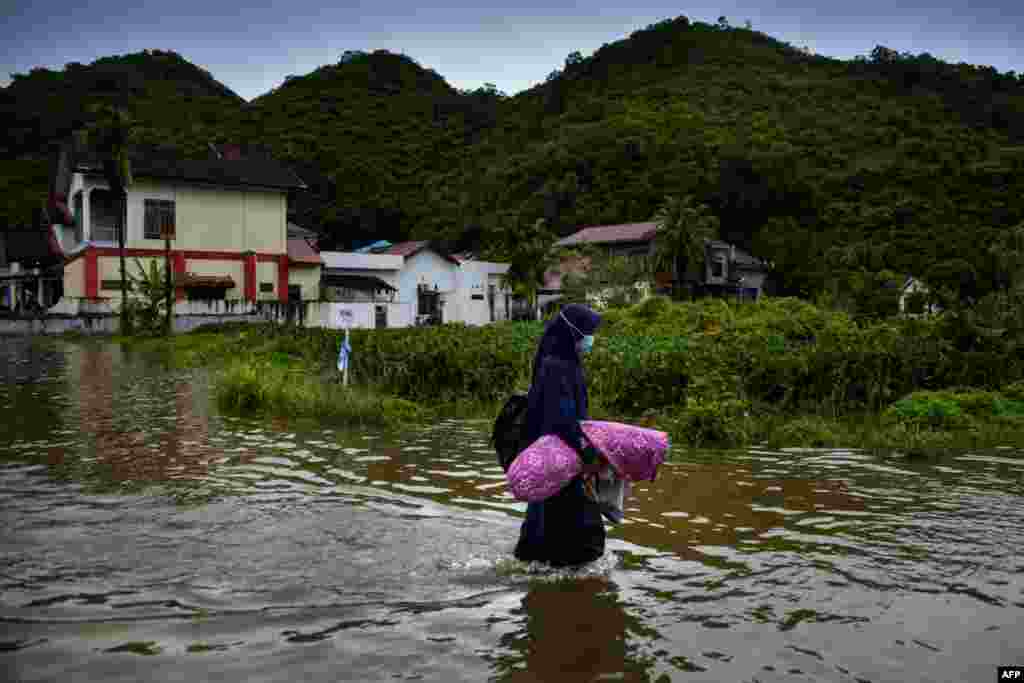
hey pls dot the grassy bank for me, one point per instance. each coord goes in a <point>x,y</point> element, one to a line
<point>711,373</point>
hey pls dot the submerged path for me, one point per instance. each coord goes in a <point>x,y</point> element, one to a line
<point>147,537</point>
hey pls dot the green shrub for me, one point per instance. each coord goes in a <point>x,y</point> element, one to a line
<point>652,308</point>
<point>262,387</point>
<point>934,410</point>
<point>812,432</point>
<point>954,407</point>
<point>720,422</point>
<point>1003,407</point>
<point>776,357</point>
<point>1014,391</point>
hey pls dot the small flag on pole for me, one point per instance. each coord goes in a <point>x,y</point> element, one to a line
<point>345,318</point>
<point>343,355</point>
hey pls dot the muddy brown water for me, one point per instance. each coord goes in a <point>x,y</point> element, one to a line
<point>147,537</point>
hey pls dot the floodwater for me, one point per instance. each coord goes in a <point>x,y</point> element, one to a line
<point>146,537</point>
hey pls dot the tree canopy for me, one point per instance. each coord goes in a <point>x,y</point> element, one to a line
<point>906,161</point>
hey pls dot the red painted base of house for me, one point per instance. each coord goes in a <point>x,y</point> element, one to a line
<point>178,258</point>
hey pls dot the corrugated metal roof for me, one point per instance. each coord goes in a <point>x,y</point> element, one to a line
<point>608,234</point>
<point>640,232</point>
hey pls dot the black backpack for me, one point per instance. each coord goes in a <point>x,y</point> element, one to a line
<point>507,437</point>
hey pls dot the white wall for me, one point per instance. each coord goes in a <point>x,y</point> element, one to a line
<point>430,269</point>
<point>457,283</point>
<point>364,314</point>
<point>475,278</point>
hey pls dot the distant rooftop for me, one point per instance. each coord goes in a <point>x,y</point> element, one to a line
<point>300,251</point>
<point>407,249</point>
<point>230,169</point>
<point>609,234</point>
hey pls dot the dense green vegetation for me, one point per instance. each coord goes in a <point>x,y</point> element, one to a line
<point>274,386</point>
<point>843,174</point>
<point>780,371</point>
<point>174,103</point>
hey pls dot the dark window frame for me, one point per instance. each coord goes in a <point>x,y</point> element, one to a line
<point>157,213</point>
<point>113,285</point>
<point>723,269</point>
<point>104,223</point>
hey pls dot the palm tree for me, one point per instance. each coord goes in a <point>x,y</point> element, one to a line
<point>683,229</point>
<point>528,250</point>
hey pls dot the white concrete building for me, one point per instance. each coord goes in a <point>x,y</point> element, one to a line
<point>408,284</point>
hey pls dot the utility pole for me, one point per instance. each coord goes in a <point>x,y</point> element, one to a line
<point>126,323</point>
<point>166,229</point>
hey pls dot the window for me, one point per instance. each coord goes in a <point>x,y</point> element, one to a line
<point>159,214</point>
<point>104,210</point>
<point>114,285</point>
<point>428,301</point>
<point>267,287</point>
<point>206,293</point>
<point>718,268</point>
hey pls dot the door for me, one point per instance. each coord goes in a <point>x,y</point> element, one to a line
<point>490,300</point>
<point>381,317</point>
<point>294,302</point>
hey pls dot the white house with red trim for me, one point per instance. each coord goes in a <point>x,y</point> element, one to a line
<point>226,215</point>
<point>410,283</point>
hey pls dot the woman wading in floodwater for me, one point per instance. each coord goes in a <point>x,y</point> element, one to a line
<point>566,529</point>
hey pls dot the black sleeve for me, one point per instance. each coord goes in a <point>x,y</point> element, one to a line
<point>555,404</point>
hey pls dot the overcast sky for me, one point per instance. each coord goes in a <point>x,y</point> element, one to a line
<point>251,48</point>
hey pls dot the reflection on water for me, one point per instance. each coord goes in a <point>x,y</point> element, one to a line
<point>587,611</point>
<point>139,522</point>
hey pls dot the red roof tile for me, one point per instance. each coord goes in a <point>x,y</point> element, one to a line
<point>300,251</point>
<point>605,234</point>
<point>407,249</point>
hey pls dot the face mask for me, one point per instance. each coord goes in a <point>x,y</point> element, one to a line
<point>583,345</point>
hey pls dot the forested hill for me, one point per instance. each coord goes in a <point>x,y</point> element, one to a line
<point>172,102</point>
<point>890,162</point>
<point>365,134</point>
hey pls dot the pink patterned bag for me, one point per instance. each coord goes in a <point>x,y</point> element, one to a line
<point>548,464</point>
